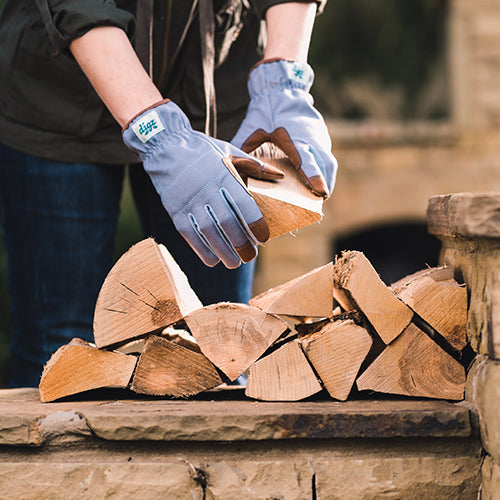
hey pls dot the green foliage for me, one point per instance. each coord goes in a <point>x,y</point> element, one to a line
<point>393,42</point>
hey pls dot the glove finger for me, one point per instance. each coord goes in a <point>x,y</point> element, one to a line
<point>247,213</point>
<point>197,241</point>
<point>248,167</point>
<point>231,229</point>
<point>212,231</point>
<point>312,167</point>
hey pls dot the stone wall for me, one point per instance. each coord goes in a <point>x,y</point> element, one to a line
<point>223,448</point>
<point>468,225</point>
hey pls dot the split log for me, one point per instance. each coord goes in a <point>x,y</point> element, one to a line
<point>336,353</point>
<point>414,365</point>
<point>169,369</point>
<point>232,336</point>
<point>308,295</point>
<point>439,300</point>
<point>79,366</point>
<point>358,286</point>
<point>286,204</point>
<point>144,292</point>
<point>283,375</point>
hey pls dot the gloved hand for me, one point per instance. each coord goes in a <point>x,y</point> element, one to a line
<point>281,111</point>
<point>199,186</point>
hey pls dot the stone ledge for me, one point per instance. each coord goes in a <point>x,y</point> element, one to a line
<point>24,420</point>
<point>466,215</point>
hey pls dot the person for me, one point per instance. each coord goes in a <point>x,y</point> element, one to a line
<point>194,89</point>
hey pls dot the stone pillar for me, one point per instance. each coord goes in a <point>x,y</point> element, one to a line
<point>468,226</point>
<point>475,62</point>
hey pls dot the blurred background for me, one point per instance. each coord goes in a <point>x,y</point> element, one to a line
<point>411,94</point>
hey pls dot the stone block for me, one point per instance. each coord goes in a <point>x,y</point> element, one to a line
<point>68,481</point>
<point>280,479</point>
<point>484,391</point>
<point>490,475</point>
<point>394,477</point>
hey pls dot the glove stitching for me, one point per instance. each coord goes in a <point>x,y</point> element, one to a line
<point>190,201</point>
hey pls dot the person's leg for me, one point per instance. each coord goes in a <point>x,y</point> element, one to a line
<point>212,285</point>
<point>58,221</point>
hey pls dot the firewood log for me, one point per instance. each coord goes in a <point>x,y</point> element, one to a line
<point>439,300</point>
<point>79,366</point>
<point>286,204</point>
<point>336,353</point>
<point>144,292</point>
<point>414,365</point>
<point>233,335</point>
<point>169,369</point>
<point>308,295</point>
<point>358,286</point>
<point>283,375</point>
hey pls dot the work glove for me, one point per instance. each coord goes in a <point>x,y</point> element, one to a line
<point>199,187</point>
<point>281,111</point>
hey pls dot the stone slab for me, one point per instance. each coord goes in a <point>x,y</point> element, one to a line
<point>23,419</point>
<point>467,215</point>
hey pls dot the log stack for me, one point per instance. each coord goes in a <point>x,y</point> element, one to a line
<point>338,330</point>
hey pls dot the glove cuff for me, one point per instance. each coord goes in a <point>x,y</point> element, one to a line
<point>279,74</point>
<point>163,117</point>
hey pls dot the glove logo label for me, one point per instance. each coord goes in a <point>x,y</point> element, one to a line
<point>148,126</point>
<point>298,73</point>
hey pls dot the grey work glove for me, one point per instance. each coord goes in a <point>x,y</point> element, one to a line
<point>281,111</point>
<point>199,186</point>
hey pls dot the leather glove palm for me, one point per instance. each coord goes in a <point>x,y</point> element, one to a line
<point>198,186</point>
<point>281,111</point>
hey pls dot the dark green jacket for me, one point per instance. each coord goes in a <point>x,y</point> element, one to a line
<point>47,106</point>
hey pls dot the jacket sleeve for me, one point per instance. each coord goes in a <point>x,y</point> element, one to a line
<point>262,5</point>
<point>66,20</point>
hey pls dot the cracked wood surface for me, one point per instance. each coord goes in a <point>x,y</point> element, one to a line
<point>145,291</point>
<point>232,336</point>
<point>414,365</point>
<point>283,375</point>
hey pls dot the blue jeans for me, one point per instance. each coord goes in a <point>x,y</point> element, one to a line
<point>58,225</point>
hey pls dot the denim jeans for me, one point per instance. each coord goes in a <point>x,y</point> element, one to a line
<point>58,225</point>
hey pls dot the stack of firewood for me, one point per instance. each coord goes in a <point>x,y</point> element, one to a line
<point>338,328</point>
